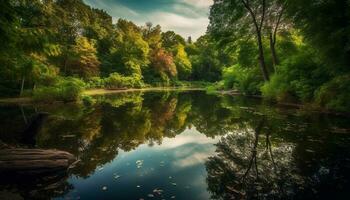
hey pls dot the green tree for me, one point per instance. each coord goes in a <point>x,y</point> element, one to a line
<point>84,63</point>
<point>182,62</point>
<point>244,14</point>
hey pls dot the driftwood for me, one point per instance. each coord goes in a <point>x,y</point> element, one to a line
<point>34,161</point>
<point>34,173</point>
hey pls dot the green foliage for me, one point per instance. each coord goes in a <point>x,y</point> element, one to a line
<point>88,100</point>
<point>335,94</point>
<point>95,82</point>
<point>130,54</point>
<point>182,62</point>
<point>66,90</point>
<point>245,80</point>
<point>44,41</point>
<point>207,59</point>
<point>84,62</point>
<point>325,24</point>
<point>297,78</point>
<point>116,81</point>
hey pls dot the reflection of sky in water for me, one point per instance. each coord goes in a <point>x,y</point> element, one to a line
<point>176,167</point>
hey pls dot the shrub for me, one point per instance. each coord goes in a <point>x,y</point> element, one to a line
<point>246,80</point>
<point>276,89</point>
<point>66,89</point>
<point>117,81</point>
<point>335,94</point>
<point>95,82</point>
<point>297,78</point>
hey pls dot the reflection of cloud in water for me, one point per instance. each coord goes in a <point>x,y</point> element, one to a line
<point>192,157</point>
<point>190,148</point>
<point>188,136</point>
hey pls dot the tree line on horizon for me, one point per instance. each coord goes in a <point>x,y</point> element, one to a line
<point>58,43</point>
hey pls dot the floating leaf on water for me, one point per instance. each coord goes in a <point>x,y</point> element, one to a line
<point>150,195</point>
<point>68,136</point>
<point>174,184</point>
<point>158,191</point>
<point>139,163</point>
<point>100,169</point>
<point>310,151</point>
<point>116,176</point>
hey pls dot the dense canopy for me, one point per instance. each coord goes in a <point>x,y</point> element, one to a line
<point>291,51</point>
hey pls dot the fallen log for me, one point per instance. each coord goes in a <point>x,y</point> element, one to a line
<point>34,161</point>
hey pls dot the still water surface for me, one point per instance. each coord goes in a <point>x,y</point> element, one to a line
<point>184,145</point>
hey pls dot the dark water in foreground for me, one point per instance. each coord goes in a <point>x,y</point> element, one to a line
<point>186,145</point>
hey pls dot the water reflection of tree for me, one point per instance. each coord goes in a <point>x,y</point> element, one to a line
<point>248,165</point>
<point>97,135</point>
<point>256,158</point>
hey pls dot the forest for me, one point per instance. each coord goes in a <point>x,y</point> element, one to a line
<point>283,50</point>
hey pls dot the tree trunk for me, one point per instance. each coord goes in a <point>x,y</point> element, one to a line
<point>258,28</point>
<point>262,58</point>
<point>34,161</point>
<point>275,60</point>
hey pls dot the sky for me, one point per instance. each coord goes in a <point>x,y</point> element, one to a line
<point>185,17</point>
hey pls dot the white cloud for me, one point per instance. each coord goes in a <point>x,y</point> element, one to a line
<point>191,20</point>
<point>199,3</point>
<point>194,158</point>
<point>185,26</point>
<point>114,9</point>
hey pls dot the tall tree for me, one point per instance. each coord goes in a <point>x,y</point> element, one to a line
<point>233,14</point>
<point>275,21</point>
<point>84,62</point>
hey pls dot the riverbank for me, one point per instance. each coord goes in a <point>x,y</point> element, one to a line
<point>305,107</point>
<point>94,92</point>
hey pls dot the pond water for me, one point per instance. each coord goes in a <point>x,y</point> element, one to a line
<point>183,145</point>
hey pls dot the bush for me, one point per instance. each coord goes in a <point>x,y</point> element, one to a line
<point>335,94</point>
<point>245,80</point>
<point>277,89</point>
<point>117,81</point>
<point>66,89</point>
<point>297,78</point>
<point>95,82</point>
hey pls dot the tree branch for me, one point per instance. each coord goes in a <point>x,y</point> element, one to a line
<point>278,23</point>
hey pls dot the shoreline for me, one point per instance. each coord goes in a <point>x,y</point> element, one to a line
<point>304,107</point>
<point>96,92</point>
